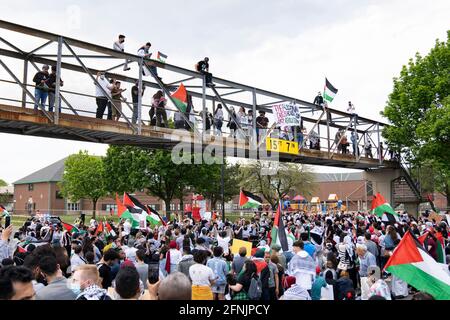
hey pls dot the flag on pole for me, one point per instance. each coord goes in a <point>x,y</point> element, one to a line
<point>70,227</point>
<point>411,263</point>
<point>249,200</point>
<point>100,228</point>
<point>124,213</point>
<point>3,211</point>
<point>180,98</point>
<point>278,231</point>
<point>135,206</point>
<point>154,213</point>
<point>329,92</point>
<point>440,245</point>
<point>161,57</point>
<point>383,209</point>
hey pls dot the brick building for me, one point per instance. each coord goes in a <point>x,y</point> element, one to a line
<point>40,191</point>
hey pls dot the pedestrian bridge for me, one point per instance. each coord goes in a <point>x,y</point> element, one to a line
<point>78,62</point>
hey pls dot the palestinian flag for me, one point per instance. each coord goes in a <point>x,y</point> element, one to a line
<point>383,209</point>
<point>3,211</point>
<point>70,227</point>
<point>249,200</point>
<point>21,249</point>
<point>108,229</point>
<point>100,228</point>
<point>124,213</point>
<point>278,233</point>
<point>180,98</point>
<point>329,92</point>
<point>155,217</point>
<point>161,57</point>
<point>440,245</point>
<point>411,263</point>
<point>135,206</point>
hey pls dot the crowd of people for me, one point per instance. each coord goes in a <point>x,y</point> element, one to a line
<point>332,256</point>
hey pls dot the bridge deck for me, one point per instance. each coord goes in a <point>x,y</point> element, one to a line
<point>25,121</point>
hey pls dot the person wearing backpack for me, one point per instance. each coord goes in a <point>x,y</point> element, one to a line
<point>264,274</point>
<point>246,280</point>
<point>220,269</point>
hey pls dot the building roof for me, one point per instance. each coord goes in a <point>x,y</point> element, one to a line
<point>51,173</point>
<point>339,177</point>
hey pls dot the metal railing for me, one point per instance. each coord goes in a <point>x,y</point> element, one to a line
<point>225,92</point>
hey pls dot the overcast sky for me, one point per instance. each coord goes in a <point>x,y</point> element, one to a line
<point>282,46</point>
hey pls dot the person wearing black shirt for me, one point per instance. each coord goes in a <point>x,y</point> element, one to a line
<point>41,89</point>
<point>104,267</point>
<point>51,83</point>
<point>318,100</point>
<point>203,67</point>
<point>261,124</point>
<point>135,98</point>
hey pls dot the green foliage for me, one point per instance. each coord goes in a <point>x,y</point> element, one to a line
<point>209,180</point>
<point>289,177</point>
<point>84,178</point>
<point>419,111</point>
<point>130,168</point>
<point>3,183</point>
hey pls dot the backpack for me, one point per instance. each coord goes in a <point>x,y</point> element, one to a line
<point>255,289</point>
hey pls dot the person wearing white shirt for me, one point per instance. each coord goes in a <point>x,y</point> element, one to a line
<point>223,241</point>
<point>119,46</point>
<point>126,228</point>
<point>104,86</point>
<point>146,54</point>
<point>202,277</point>
<point>130,251</point>
<point>76,259</point>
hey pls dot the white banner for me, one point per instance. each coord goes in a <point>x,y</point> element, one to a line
<point>287,114</point>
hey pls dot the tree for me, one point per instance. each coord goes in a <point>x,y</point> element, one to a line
<point>289,177</point>
<point>208,182</point>
<point>130,168</point>
<point>3,183</point>
<point>419,111</point>
<point>84,178</point>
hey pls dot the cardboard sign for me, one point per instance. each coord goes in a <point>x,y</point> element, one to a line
<point>237,244</point>
<point>436,217</point>
<point>287,114</point>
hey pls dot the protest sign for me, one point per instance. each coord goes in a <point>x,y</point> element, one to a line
<point>237,244</point>
<point>287,114</point>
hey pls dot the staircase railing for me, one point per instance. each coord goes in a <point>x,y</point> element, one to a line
<point>405,166</point>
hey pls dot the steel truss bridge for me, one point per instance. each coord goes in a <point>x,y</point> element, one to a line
<point>76,120</point>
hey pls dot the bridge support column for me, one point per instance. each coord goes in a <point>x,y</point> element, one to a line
<point>381,180</point>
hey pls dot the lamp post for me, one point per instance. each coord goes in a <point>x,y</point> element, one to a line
<point>222,188</point>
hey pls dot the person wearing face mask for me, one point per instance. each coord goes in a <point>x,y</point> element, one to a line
<point>101,98</point>
<point>85,284</point>
<point>119,46</point>
<point>57,287</point>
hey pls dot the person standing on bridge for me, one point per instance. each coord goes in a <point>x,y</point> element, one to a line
<point>101,97</point>
<point>51,82</point>
<point>41,89</point>
<point>159,103</point>
<point>261,124</point>
<point>116,93</point>
<point>144,52</point>
<point>119,46</point>
<point>135,99</point>
<point>203,67</point>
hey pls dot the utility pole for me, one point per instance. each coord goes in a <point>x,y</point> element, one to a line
<point>222,189</point>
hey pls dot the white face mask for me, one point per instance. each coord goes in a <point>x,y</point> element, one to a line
<point>75,287</point>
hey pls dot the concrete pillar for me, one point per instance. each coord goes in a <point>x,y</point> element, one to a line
<point>382,182</point>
